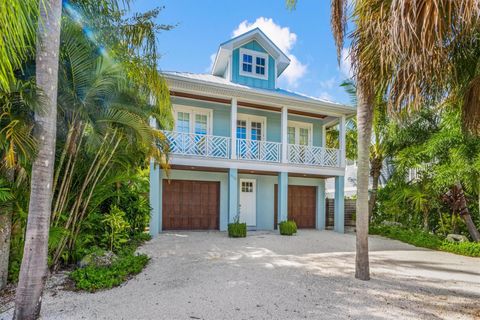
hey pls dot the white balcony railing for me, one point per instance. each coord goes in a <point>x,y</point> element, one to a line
<point>258,150</point>
<point>198,144</point>
<point>255,150</point>
<point>311,155</point>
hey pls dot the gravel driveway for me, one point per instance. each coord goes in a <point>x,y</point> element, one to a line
<point>205,275</point>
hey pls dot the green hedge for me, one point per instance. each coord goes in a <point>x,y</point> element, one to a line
<point>237,230</point>
<point>287,228</point>
<point>423,239</point>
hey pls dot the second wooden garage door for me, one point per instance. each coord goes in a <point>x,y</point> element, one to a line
<point>190,205</point>
<point>302,205</point>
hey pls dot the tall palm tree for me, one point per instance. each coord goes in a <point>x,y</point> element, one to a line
<point>33,271</point>
<point>17,147</point>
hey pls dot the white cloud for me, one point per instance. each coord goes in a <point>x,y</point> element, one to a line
<point>329,83</point>
<point>212,61</point>
<point>326,96</point>
<point>284,39</point>
<point>346,63</point>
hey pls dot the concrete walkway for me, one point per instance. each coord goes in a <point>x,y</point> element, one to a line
<point>206,275</point>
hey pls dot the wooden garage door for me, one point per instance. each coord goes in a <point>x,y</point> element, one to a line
<point>190,205</point>
<point>302,205</point>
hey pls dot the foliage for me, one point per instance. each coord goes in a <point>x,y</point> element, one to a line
<point>470,249</point>
<point>287,228</point>
<point>423,239</point>
<point>116,228</point>
<point>237,230</point>
<point>412,236</point>
<point>92,278</point>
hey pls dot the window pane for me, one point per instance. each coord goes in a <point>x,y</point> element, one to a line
<point>303,136</point>
<point>291,135</point>
<point>256,131</point>
<point>183,122</point>
<point>260,61</point>
<point>241,129</point>
<point>201,124</point>
<point>260,70</point>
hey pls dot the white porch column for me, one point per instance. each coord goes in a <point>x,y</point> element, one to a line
<point>284,134</point>
<point>324,136</point>
<point>233,129</point>
<point>342,142</point>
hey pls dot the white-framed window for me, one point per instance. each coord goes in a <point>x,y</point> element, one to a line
<point>253,64</point>
<point>251,127</point>
<point>193,120</point>
<point>299,133</point>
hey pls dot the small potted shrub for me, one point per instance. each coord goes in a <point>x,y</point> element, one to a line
<point>236,229</point>
<point>287,227</point>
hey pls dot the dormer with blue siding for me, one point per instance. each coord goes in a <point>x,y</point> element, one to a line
<point>250,59</point>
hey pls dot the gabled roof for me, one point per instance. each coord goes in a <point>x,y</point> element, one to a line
<point>226,48</point>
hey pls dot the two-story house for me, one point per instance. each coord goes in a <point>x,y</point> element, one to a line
<point>243,146</point>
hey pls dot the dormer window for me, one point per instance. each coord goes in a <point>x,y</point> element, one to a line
<point>253,64</point>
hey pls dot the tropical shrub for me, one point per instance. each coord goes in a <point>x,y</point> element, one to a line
<point>93,278</point>
<point>237,230</point>
<point>116,229</point>
<point>287,228</point>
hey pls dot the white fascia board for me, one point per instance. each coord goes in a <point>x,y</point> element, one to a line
<point>193,161</point>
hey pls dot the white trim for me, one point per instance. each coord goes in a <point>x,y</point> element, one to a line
<point>193,161</point>
<point>255,55</point>
<point>194,111</point>
<point>304,125</point>
<point>233,128</point>
<point>249,118</point>
<point>196,86</point>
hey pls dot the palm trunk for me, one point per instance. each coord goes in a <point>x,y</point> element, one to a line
<point>5,233</point>
<point>465,214</point>
<point>376,168</point>
<point>33,271</point>
<point>364,118</point>
<point>425,220</point>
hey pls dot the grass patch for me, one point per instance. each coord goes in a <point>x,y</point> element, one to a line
<point>423,239</point>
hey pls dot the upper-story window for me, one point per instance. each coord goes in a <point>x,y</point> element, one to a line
<point>192,120</point>
<point>253,64</point>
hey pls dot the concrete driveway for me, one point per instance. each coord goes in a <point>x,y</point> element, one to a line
<point>206,275</point>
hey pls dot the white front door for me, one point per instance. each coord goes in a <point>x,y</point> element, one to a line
<point>248,202</point>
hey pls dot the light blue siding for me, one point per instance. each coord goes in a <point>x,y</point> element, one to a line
<point>282,196</point>
<point>339,204</point>
<point>321,214</point>
<point>252,81</point>
<point>232,194</point>
<point>155,199</point>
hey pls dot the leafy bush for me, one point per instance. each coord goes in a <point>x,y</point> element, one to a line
<point>287,228</point>
<point>116,228</point>
<point>237,230</point>
<point>415,237</point>
<point>420,238</point>
<point>471,249</point>
<point>92,278</point>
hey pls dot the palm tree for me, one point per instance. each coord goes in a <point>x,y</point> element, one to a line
<point>411,47</point>
<point>18,34</point>
<point>33,271</point>
<point>17,148</point>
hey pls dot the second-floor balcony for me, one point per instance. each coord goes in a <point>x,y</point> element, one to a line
<point>219,147</point>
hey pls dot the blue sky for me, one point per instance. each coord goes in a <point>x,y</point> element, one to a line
<point>303,33</point>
